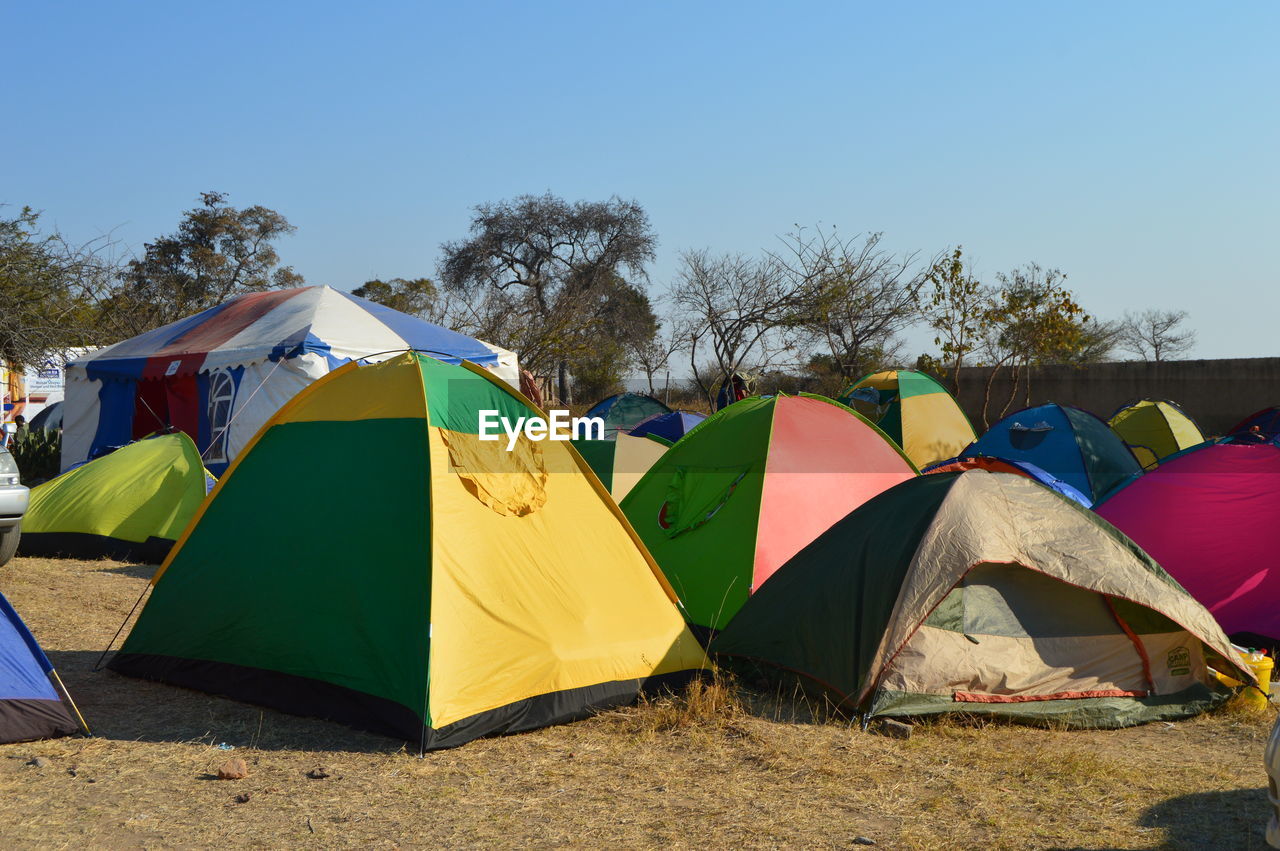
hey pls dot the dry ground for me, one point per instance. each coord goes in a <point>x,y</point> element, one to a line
<point>697,773</point>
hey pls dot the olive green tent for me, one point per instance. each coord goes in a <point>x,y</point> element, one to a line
<point>130,505</point>
<point>984,593</point>
<point>1154,429</point>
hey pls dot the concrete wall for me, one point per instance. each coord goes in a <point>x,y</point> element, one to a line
<point>1216,393</point>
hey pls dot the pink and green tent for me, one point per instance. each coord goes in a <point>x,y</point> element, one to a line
<point>750,487</point>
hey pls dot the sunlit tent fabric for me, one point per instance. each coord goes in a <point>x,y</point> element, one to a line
<point>33,705</point>
<point>455,590</point>
<point>984,593</point>
<point>1266,422</point>
<point>1068,443</point>
<point>624,411</point>
<point>726,506</point>
<point>1208,515</point>
<point>670,427</point>
<point>220,374</point>
<point>130,505</point>
<point>622,461</point>
<point>1155,429</point>
<point>916,411</point>
<point>1018,468</point>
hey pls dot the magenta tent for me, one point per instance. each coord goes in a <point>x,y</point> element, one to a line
<point>1208,516</point>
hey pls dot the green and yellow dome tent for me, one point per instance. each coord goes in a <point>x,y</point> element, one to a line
<point>131,505</point>
<point>620,463</point>
<point>988,594</point>
<point>916,411</point>
<point>736,497</point>
<point>370,560</point>
<point>1154,429</point>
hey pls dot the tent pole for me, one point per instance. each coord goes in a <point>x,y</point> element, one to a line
<point>127,617</point>
<point>62,689</point>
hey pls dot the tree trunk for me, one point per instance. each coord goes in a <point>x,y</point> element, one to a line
<point>562,382</point>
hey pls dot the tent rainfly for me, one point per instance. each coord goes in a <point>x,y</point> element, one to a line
<point>130,505</point>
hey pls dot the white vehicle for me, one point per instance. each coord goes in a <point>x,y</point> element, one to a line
<point>13,504</point>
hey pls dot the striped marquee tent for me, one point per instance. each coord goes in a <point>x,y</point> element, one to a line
<point>220,374</point>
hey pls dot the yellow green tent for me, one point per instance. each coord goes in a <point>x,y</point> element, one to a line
<point>916,411</point>
<point>1155,429</point>
<point>427,584</point>
<point>130,505</point>
<point>622,461</point>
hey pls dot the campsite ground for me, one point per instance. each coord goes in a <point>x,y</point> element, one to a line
<point>703,773</point>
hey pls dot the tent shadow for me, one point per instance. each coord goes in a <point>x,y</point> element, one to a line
<point>1236,818</point>
<point>128,709</point>
<point>137,571</point>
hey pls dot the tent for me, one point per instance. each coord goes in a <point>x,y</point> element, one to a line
<point>915,410</point>
<point>1266,422</point>
<point>1154,429</point>
<point>623,411</point>
<point>1068,443</point>
<point>734,388</point>
<point>220,374</point>
<point>986,594</point>
<point>1208,515</point>
<point>670,427</point>
<point>743,492</point>
<point>130,505</point>
<point>1018,468</point>
<point>49,419</point>
<point>619,463</point>
<point>433,586</point>
<point>33,703</point>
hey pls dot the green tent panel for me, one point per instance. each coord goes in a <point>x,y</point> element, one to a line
<point>130,505</point>
<point>987,594</point>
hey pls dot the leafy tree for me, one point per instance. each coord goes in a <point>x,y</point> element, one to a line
<point>1156,335</point>
<point>47,291</point>
<point>957,308</point>
<point>530,264</point>
<point>1032,319</point>
<point>217,252</point>
<point>857,296</point>
<point>621,323</point>
<point>414,296</point>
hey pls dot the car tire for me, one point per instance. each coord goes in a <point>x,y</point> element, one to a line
<point>9,542</point>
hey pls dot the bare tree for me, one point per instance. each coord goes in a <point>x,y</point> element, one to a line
<point>538,255</point>
<point>1156,335</point>
<point>734,312</point>
<point>857,295</point>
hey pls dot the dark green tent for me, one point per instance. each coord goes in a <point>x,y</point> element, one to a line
<point>984,593</point>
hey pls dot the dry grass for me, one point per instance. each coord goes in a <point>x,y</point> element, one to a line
<point>720,766</point>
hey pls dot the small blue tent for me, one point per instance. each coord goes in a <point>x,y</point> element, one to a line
<point>30,706</point>
<point>1003,465</point>
<point>1068,443</point>
<point>671,427</point>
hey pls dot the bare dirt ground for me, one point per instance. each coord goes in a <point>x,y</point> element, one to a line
<point>712,770</point>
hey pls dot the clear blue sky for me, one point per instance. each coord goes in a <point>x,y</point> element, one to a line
<point>1135,146</point>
